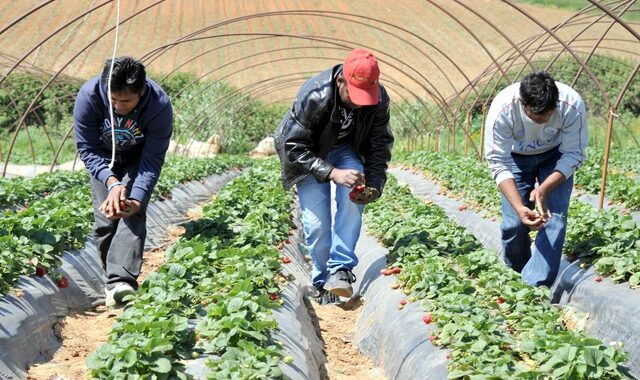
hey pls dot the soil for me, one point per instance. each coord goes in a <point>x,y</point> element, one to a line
<point>336,327</point>
<point>83,332</point>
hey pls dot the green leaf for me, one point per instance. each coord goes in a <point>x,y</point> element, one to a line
<point>592,356</point>
<point>163,365</point>
<point>130,358</point>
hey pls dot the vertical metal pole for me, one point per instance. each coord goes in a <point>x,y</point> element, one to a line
<point>605,164</point>
<point>453,135</point>
<point>484,118</point>
<point>466,133</point>
<point>437,140</point>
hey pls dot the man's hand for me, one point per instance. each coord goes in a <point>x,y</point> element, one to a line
<point>110,208</point>
<point>539,197</point>
<point>132,207</point>
<point>346,177</point>
<point>367,195</point>
<point>530,218</point>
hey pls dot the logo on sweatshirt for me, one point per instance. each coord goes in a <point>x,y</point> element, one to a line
<point>126,132</point>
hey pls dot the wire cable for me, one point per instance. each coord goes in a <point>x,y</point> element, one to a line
<point>111,118</point>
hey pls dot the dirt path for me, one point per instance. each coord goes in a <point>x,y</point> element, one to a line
<point>83,332</point>
<point>345,361</point>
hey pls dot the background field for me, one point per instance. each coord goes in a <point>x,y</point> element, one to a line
<point>248,62</point>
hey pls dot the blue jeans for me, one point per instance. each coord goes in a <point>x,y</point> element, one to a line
<point>331,245</point>
<point>539,264</point>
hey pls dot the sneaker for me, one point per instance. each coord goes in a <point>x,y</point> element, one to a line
<point>114,296</point>
<point>340,282</point>
<point>323,297</point>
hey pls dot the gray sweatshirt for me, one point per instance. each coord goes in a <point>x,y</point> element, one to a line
<point>509,130</point>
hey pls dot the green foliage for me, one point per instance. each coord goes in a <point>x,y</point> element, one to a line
<point>181,170</point>
<point>224,279</point>
<point>623,182</point>
<point>207,108</point>
<point>18,91</point>
<point>612,239</point>
<point>20,190</point>
<point>54,212</point>
<point>576,5</point>
<point>495,325</point>
<point>32,146</point>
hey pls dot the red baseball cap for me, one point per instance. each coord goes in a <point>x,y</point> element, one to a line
<point>361,72</point>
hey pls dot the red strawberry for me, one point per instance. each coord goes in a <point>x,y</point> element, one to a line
<point>41,271</point>
<point>386,272</point>
<point>396,270</point>
<point>598,278</point>
<point>427,318</point>
<point>288,241</point>
<point>286,260</point>
<point>353,194</point>
<point>123,206</point>
<point>609,203</point>
<point>500,300</point>
<point>432,338</point>
<point>462,208</point>
<point>403,302</point>
<point>273,297</point>
<point>63,282</point>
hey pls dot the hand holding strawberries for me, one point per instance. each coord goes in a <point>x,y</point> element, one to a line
<point>116,205</point>
<point>362,195</point>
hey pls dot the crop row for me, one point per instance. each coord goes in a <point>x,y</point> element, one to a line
<point>33,237</point>
<point>495,325</point>
<point>623,179</point>
<point>611,240</point>
<point>221,277</point>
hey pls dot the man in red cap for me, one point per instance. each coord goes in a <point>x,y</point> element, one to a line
<point>337,130</point>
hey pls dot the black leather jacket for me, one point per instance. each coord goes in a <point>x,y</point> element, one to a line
<point>309,131</point>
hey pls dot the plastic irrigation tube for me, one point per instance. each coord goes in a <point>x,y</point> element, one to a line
<point>614,309</point>
<point>30,326</point>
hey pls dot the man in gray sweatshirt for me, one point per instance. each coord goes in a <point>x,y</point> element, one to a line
<point>124,151</point>
<point>535,139</point>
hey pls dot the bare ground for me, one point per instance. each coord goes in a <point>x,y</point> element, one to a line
<point>83,332</point>
<point>336,327</point>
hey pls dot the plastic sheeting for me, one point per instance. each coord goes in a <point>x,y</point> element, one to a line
<point>296,329</point>
<point>614,309</point>
<point>397,340</point>
<point>30,326</point>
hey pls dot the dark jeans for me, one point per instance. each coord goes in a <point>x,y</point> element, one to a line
<point>121,241</point>
<point>539,264</point>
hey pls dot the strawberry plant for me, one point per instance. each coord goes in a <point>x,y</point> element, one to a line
<point>623,181</point>
<point>223,276</point>
<point>495,325</point>
<point>18,191</point>
<point>610,238</point>
<point>37,233</point>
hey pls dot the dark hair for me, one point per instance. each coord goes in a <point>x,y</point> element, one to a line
<point>539,92</point>
<point>128,75</point>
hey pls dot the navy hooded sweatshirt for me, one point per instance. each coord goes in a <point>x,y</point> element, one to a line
<point>142,135</point>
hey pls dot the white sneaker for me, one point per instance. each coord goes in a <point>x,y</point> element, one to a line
<point>115,295</point>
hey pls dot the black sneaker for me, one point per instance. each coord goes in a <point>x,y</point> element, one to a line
<point>340,282</point>
<point>323,297</point>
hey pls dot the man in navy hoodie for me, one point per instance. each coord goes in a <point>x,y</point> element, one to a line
<point>124,159</point>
